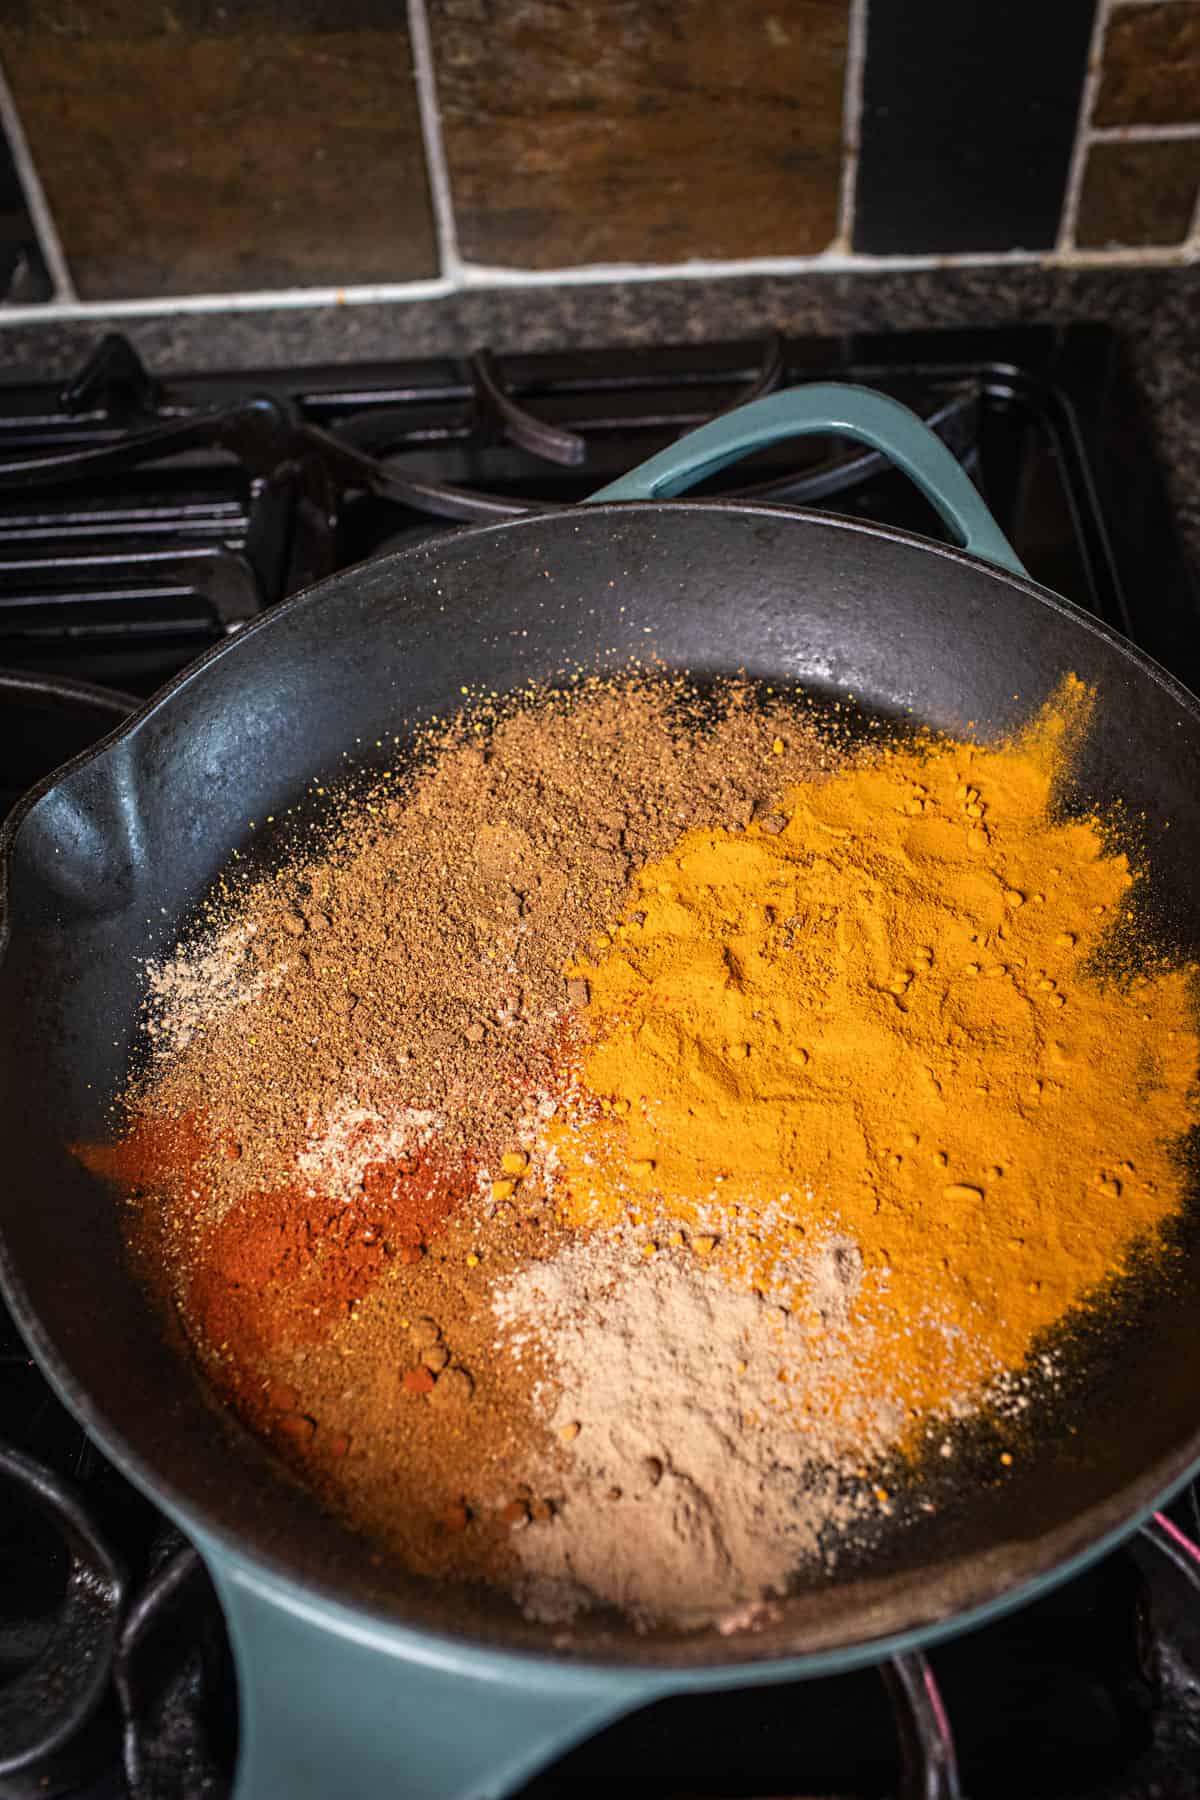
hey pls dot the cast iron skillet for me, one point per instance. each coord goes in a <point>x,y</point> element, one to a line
<point>354,1680</point>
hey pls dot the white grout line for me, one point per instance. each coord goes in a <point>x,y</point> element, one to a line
<point>827,262</point>
<point>1142,134</point>
<point>1087,100</point>
<point>35,198</point>
<point>441,192</point>
<point>477,278</point>
<point>852,105</point>
<point>258,300</point>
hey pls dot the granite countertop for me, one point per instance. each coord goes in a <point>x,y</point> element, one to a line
<point>1157,310</point>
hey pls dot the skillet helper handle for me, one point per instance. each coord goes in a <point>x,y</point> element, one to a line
<point>331,1710</point>
<point>822,409</point>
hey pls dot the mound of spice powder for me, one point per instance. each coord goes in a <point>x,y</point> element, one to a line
<point>326,1153</point>
<point>875,1095</point>
<point>410,974</point>
<point>894,1011</point>
<point>616,1277</point>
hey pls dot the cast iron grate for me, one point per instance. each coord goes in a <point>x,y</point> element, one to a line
<point>141,519</point>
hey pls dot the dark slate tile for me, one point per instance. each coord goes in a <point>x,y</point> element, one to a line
<point>1138,194</point>
<point>969,116</point>
<point>641,130</point>
<point>1150,74</point>
<point>215,148</point>
<point>23,274</point>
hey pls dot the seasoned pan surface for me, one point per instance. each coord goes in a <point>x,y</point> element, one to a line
<point>105,863</point>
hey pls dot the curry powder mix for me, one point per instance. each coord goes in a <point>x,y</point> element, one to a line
<point>891,1010</point>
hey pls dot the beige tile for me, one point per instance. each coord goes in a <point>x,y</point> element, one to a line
<point>181,160</point>
<point>636,130</point>
<point>1151,69</point>
<point>1138,194</point>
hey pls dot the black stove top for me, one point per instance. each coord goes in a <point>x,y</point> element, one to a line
<point>141,520</point>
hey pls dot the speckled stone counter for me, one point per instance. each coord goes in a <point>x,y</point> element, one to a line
<point>1157,310</point>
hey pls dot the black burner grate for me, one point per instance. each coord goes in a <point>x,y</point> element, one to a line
<point>140,520</point>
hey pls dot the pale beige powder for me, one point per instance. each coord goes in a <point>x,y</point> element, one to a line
<point>691,1489</point>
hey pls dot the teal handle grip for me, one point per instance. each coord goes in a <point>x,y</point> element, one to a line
<point>822,408</point>
<point>332,1708</point>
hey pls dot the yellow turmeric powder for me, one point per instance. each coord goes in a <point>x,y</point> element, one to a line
<point>879,1014</point>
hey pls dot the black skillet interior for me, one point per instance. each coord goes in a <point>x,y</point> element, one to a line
<point>107,863</point>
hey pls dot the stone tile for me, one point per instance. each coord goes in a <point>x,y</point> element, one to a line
<point>196,148</point>
<point>84,20</point>
<point>1151,69</point>
<point>23,274</point>
<point>968,123</point>
<point>1138,194</point>
<point>641,130</point>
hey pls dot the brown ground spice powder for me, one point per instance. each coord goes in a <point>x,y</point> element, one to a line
<point>326,1152</point>
<point>423,955</point>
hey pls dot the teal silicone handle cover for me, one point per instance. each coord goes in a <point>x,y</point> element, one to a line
<point>331,1708</point>
<point>840,410</point>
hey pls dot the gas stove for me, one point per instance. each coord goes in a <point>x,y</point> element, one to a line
<point>142,520</point>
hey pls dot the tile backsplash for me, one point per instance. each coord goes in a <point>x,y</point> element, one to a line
<point>159,149</point>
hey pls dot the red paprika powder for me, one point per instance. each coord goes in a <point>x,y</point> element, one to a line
<point>280,1268</point>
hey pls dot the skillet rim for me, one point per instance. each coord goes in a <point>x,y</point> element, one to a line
<point>1152,1488</point>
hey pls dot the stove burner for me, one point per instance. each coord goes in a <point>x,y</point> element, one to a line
<point>926,1746</point>
<point>49,1707</point>
<point>174,1679</point>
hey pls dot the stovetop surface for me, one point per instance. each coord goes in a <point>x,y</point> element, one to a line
<point>118,569</point>
<point>143,520</point>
